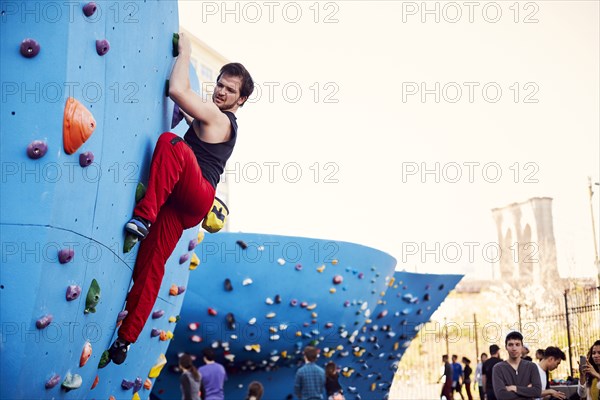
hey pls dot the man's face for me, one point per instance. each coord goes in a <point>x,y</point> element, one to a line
<point>483,359</point>
<point>552,363</point>
<point>227,92</point>
<point>514,347</point>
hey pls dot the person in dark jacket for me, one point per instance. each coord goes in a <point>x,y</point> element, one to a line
<point>332,384</point>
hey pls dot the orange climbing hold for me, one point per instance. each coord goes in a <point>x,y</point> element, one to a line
<point>174,291</point>
<point>95,382</point>
<point>148,384</point>
<point>78,125</point>
<point>85,354</point>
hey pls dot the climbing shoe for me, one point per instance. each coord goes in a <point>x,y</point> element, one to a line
<point>138,226</point>
<point>118,351</point>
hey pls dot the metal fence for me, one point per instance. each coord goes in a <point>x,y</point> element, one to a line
<point>570,322</point>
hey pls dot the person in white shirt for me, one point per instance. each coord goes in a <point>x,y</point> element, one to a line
<point>551,360</point>
<point>479,375</point>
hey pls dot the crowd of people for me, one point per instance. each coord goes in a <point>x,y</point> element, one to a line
<point>518,377</point>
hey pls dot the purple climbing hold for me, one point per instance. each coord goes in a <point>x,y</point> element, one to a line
<point>44,321</point>
<point>277,299</point>
<point>242,244</point>
<point>157,314</point>
<point>192,245</point>
<point>50,383</point>
<point>155,332</point>
<point>65,255</point>
<point>293,302</point>
<point>347,303</point>
<point>180,289</point>
<point>177,116</point>
<point>441,286</point>
<point>102,47</point>
<point>426,297</point>
<point>125,384</point>
<point>73,292</point>
<point>85,159</point>
<point>29,48</point>
<point>227,285</point>
<point>37,149</point>
<point>361,275</point>
<point>89,9</point>
<point>184,258</point>
<point>298,267</point>
<point>122,315</point>
<point>137,385</point>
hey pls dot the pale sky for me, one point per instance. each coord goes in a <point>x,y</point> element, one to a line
<point>340,102</point>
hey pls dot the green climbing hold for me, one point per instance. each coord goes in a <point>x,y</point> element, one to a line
<point>93,297</point>
<point>140,192</point>
<point>72,382</point>
<point>175,44</point>
<point>130,241</point>
<point>104,359</point>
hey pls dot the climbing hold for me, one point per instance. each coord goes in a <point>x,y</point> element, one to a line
<point>155,332</point>
<point>391,282</point>
<point>233,337</point>
<point>93,297</point>
<point>72,382</point>
<point>104,359</point>
<point>334,262</point>
<point>332,290</point>
<point>180,289</point>
<point>269,301</point>
<point>312,306</point>
<point>147,384</point>
<point>29,48</point>
<point>130,241</point>
<point>192,244</point>
<point>89,9</point>
<point>102,47</point>
<point>37,149</point>
<point>78,125</point>
<point>122,315</point>
<point>86,353</point>
<point>193,326</point>
<point>173,291</point>
<point>163,336</point>
<point>281,261</point>
<point>274,337</point>
<point>195,338</point>
<point>277,299</point>
<point>175,44</point>
<point>441,286</point>
<point>53,381</point>
<point>65,255</point>
<point>227,285</point>
<point>85,159</point>
<point>140,192</point>
<point>230,357</point>
<point>173,319</point>
<point>137,384</point>
<point>230,321</point>
<point>95,382</point>
<point>270,315</point>
<point>255,347</point>
<point>126,385</point>
<point>247,282</point>
<point>157,314</point>
<point>329,325</point>
<point>293,302</point>
<point>298,267</point>
<point>252,321</point>
<point>194,262</point>
<point>177,116</point>
<point>242,244</point>
<point>303,304</point>
<point>338,279</point>
<point>212,311</point>
<point>361,275</point>
<point>272,329</point>
<point>184,258</point>
<point>347,303</point>
<point>73,292</point>
<point>44,321</point>
<point>426,297</point>
<point>321,268</point>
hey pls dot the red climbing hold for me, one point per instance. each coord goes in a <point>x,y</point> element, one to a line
<point>89,9</point>
<point>382,314</point>
<point>338,279</point>
<point>86,353</point>
<point>102,47</point>
<point>44,321</point>
<point>65,255</point>
<point>29,48</point>
<point>37,149</point>
<point>73,292</point>
<point>78,125</point>
<point>85,159</point>
<point>212,311</point>
<point>95,382</point>
<point>50,383</point>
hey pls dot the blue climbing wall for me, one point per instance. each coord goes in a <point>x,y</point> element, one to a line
<point>363,323</point>
<point>52,203</point>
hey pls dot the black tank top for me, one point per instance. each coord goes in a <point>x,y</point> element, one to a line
<point>212,156</point>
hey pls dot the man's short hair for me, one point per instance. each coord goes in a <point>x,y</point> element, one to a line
<point>237,69</point>
<point>513,336</point>
<point>494,349</point>
<point>555,352</point>
<point>454,356</point>
<point>209,353</point>
<point>311,353</point>
<point>484,354</point>
<point>445,356</point>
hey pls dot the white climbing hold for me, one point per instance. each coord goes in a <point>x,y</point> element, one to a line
<point>247,282</point>
<point>270,315</point>
<point>233,337</point>
<point>281,261</point>
<point>252,321</point>
<point>274,337</point>
<point>282,327</point>
<point>269,300</point>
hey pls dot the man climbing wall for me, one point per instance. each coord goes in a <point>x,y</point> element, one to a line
<point>184,174</point>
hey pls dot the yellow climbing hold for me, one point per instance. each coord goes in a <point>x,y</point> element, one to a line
<point>329,353</point>
<point>332,290</point>
<point>312,306</point>
<point>172,319</point>
<point>340,347</point>
<point>347,372</point>
<point>136,396</point>
<point>368,321</point>
<point>373,386</point>
<point>200,236</point>
<point>298,333</point>
<point>334,262</point>
<point>314,315</point>
<point>321,268</point>
<point>155,371</point>
<point>359,352</point>
<point>382,294</point>
<point>284,354</point>
<point>391,282</point>
<point>194,262</point>
<point>273,329</point>
<point>396,345</point>
<point>169,335</point>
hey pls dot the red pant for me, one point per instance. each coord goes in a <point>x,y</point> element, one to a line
<point>178,197</point>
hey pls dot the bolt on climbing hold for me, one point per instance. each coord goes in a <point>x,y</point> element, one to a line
<point>173,291</point>
<point>173,319</point>
<point>293,302</point>
<point>277,299</point>
<point>65,255</point>
<point>194,262</point>
<point>212,311</point>
<point>177,116</point>
<point>247,282</point>
<point>121,316</point>
<point>332,290</point>
<point>37,149</point>
<point>126,385</point>
<point>130,241</point>
<point>95,382</point>
<point>44,321</point>
<point>280,261</point>
<point>298,267</point>
<point>155,332</point>
<point>137,384</point>
<point>195,338</point>
<point>73,292</point>
<point>230,321</point>
<point>338,279</point>
<point>102,47</point>
<point>242,244</point>
<point>252,321</point>
<point>184,258</point>
<point>72,382</point>
<point>175,44</point>
<point>53,381</point>
<point>86,353</point>
<point>192,326</point>
<point>334,262</point>
<point>29,48</point>
<point>269,301</point>
<point>321,268</point>
<point>270,315</point>
<point>157,314</point>
<point>312,306</point>
<point>104,359</point>
<point>89,9</point>
<point>86,159</point>
<point>147,384</point>
<point>93,297</point>
<point>78,125</point>
<point>140,192</point>
<point>192,244</point>
<point>227,285</point>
